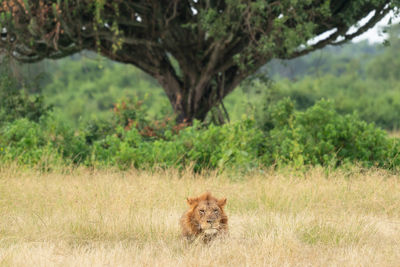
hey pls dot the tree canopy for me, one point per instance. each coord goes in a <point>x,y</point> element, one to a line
<point>198,50</point>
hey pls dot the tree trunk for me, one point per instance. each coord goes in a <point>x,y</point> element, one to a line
<point>185,105</point>
<point>194,94</point>
<point>194,102</point>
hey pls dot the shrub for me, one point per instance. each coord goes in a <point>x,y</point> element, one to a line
<point>321,136</point>
<point>15,103</point>
<point>317,136</point>
<point>230,145</point>
<point>24,141</point>
<point>126,148</point>
<point>374,100</point>
<point>235,145</point>
<point>67,141</point>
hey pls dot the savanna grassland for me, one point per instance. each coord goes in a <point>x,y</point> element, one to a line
<point>88,217</point>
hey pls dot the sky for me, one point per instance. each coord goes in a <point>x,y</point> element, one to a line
<point>375,35</point>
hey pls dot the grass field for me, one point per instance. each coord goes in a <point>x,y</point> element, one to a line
<point>111,218</point>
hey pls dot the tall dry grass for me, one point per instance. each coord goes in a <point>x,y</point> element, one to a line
<point>111,218</point>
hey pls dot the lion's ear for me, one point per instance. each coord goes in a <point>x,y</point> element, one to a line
<point>221,202</point>
<point>192,201</point>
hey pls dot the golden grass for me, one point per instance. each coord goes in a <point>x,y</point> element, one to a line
<point>111,218</point>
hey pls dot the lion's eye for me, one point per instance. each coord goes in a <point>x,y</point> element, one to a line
<point>201,211</point>
<point>215,211</point>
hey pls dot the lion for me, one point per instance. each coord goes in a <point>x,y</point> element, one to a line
<point>205,219</point>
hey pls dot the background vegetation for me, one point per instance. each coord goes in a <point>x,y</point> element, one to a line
<point>328,108</point>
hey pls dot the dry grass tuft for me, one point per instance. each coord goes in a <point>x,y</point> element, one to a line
<point>96,218</point>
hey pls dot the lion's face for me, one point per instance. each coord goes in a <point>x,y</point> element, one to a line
<point>205,218</point>
<point>207,214</point>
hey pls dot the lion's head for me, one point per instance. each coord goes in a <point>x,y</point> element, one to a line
<point>205,216</point>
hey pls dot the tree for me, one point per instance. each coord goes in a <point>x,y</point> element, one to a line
<point>198,50</point>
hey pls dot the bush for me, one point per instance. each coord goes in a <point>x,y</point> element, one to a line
<point>71,145</point>
<point>233,145</point>
<point>321,136</point>
<point>374,100</point>
<point>317,136</point>
<point>15,103</point>
<point>230,145</point>
<point>124,149</point>
<point>24,141</point>
<point>48,140</point>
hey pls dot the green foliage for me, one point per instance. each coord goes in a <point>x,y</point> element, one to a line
<point>84,88</point>
<point>316,136</point>
<point>321,136</point>
<point>332,60</point>
<point>374,100</point>
<point>359,77</point>
<point>71,145</point>
<point>387,65</point>
<point>198,51</point>
<point>15,103</point>
<point>98,120</point>
<point>232,145</point>
<point>24,141</point>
